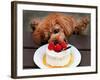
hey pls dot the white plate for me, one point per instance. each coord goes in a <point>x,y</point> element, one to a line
<point>38,56</point>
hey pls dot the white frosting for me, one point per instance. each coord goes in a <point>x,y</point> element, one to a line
<point>57,58</point>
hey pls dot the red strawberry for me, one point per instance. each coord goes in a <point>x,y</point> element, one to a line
<point>63,44</point>
<point>57,48</point>
<point>51,46</point>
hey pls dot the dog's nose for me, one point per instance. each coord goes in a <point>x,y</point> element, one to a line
<point>56,31</point>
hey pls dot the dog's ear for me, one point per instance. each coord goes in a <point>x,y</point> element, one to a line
<point>81,24</point>
<point>34,23</point>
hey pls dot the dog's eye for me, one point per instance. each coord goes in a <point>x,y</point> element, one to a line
<point>56,31</point>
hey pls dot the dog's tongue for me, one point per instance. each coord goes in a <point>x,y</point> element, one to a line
<point>59,38</point>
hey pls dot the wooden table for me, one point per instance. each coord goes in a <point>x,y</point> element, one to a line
<point>82,42</point>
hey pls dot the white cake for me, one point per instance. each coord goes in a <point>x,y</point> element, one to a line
<point>57,58</point>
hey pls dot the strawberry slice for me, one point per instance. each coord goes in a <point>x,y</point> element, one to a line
<point>51,46</point>
<point>57,48</point>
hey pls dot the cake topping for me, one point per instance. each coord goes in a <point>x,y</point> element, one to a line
<point>63,44</point>
<point>51,46</point>
<point>57,46</point>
